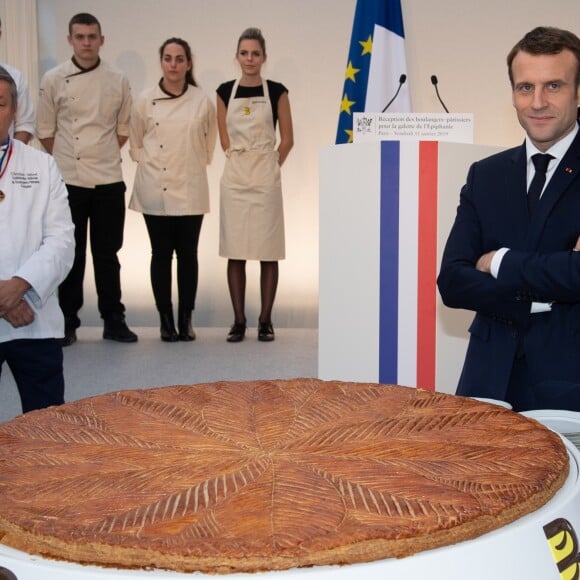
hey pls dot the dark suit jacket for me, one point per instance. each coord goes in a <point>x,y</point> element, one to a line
<point>540,266</point>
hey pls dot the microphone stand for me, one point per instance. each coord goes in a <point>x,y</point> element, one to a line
<point>402,80</point>
<point>434,81</point>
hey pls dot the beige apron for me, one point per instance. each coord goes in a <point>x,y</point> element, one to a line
<point>251,210</point>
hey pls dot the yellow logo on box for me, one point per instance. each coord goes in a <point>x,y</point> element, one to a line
<point>563,543</point>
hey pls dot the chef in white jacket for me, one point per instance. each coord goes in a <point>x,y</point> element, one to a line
<point>36,253</point>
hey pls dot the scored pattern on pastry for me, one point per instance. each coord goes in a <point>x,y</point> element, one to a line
<point>267,474</point>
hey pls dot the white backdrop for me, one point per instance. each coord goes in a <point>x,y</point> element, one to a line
<point>463,42</point>
<point>134,30</point>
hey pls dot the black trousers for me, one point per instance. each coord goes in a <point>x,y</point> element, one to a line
<point>169,234</point>
<point>104,208</point>
<point>36,365</point>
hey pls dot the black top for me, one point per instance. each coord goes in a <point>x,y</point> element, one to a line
<point>275,89</point>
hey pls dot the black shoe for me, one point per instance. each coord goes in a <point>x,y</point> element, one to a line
<point>167,327</point>
<point>237,332</point>
<point>70,336</point>
<point>265,332</point>
<point>116,329</point>
<point>186,332</point>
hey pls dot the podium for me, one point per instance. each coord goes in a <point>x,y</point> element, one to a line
<point>386,209</point>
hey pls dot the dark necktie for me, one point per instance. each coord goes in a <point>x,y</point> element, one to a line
<point>540,161</point>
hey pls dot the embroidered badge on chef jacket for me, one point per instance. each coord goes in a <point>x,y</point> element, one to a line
<point>25,180</point>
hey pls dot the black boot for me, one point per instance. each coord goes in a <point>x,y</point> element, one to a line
<point>186,332</point>
<point>167,328</point>
<point>116,329</point>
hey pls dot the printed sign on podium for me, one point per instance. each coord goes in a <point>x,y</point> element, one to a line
<point>451,127</point>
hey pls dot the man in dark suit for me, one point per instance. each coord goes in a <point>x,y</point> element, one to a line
<point>516,266</point>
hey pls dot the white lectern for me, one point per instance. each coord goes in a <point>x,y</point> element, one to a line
<point>385,212</point>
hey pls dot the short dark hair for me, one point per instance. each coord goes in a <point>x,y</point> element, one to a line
<point>546,40</point>
<point>7,78</point>
<point>83,18</point>
<point>188,55</point>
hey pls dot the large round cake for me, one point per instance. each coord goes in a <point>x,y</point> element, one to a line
<point>267,475</point>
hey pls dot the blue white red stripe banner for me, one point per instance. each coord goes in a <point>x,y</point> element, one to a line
<point>386,208</point>
<point>407,327</point>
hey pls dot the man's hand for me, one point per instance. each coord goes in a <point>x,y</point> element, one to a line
<point>484,263</point>
<point>576,248</point>
<point>20,315</point>
<point>11,293</point>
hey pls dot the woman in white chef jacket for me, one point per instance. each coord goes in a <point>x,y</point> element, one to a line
<point>172,137</point>
<point>251,210</point>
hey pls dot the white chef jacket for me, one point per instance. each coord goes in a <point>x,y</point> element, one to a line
<point>25,112</point>
<point>36,238</point>
<point>84,111</point>
<point>173,140</point>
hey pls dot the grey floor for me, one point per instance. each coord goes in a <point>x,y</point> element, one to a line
<point>93,365</point>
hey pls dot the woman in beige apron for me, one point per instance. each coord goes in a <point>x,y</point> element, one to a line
<point>251,209</point>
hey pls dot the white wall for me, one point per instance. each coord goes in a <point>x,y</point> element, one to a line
<point>134,30</point>
<point>463,42</point>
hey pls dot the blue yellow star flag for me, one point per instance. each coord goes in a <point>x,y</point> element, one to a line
<point>376,61</point>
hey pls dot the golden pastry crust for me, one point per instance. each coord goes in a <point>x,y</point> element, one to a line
<point>267,475</point>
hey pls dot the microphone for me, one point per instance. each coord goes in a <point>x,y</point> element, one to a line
<point>434,81</point>
<point>402,80</point>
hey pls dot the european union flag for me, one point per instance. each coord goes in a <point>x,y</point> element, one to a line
<point>376,61</point>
